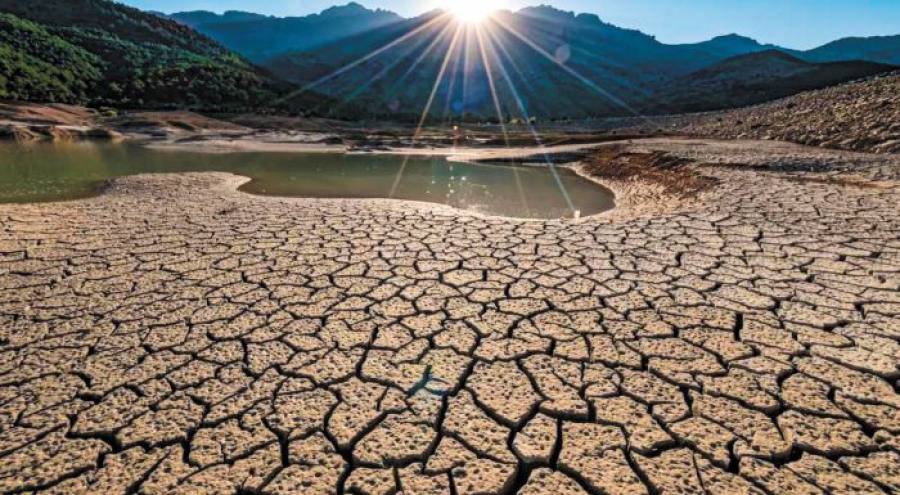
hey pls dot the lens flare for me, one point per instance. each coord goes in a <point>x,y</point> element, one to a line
<point>472,11</point>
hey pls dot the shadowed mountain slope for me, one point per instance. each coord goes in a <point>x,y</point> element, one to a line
<point>755,78</point>
<point>260,37</point>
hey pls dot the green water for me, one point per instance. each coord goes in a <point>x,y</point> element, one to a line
<point>43,172</point>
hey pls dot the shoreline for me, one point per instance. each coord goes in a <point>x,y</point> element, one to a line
<point>468,155</point>
<point>639,196</point>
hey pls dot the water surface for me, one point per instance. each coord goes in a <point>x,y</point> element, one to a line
<point>42,172</point>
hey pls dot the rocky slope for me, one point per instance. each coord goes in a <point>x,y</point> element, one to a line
<point>860,116</point>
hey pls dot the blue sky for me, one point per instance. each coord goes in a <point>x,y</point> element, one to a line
<point>791,23</point>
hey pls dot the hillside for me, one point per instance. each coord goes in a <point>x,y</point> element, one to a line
<point>36,65</point>
<point>102,53</point>
<point>860,116</point>
<point>199,18</point>
<point>755,78</point>
<point>352,62</point>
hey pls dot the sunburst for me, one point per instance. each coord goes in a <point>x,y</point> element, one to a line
<point>468,32</point>
<point>472,11</point>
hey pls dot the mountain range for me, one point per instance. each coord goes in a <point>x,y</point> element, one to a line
<point>353,62</point>
<point>539,61</point>
<point>259,37</point>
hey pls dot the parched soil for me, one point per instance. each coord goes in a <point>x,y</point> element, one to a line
<point>621,165</point>
<point>177,336</point>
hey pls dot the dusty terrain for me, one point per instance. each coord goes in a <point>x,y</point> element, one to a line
<point>861,116</point>
<point>177,336</point>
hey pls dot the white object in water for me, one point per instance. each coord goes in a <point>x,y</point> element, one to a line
<point>577,214</point>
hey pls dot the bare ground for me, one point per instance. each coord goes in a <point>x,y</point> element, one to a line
<point>177,336</point>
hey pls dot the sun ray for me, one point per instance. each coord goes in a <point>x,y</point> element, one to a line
<point>434,43</point>
<point>496,43</point>
<point>445,17</point>
<point>516,174</point>
<point>467,71</point>
<point>572,72</point>
<point>454,78</point>
<point>526,89</point>
<point>445,31</point>
<point>534,133</point>
<point>427,109</point>
<point>490,78</point>
<point>397,61</point>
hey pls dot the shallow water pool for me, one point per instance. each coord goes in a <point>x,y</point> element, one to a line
<point>43,172</point>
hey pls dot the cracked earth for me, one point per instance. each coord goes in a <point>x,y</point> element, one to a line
<point>177,336</point>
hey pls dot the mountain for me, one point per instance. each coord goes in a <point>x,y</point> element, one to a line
<point>545,62</point>
<point>259,37</point>
<point>755,78</point>
<point>199,18</point>
<point>883,49</point>
<point>103,53</point>
<point>537,60</point>
<point>349,61</point>
<point>728,46</point>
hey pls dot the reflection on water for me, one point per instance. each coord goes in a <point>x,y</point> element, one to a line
<point>43,172</point>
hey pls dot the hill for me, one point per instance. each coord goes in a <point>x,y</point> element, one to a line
<point>755,78</point>
<point>103,53</point>
<point>200,18</point>
<point>860,116</point>
<point>36,65</point>
<point>538,62</point>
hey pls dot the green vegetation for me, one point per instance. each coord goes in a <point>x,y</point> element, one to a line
<point>36,65</point>
<point>100,53</point>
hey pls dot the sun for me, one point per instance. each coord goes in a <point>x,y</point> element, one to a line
<point>472,11</point>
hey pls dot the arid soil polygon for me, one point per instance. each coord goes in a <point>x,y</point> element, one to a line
<point>177,336</point>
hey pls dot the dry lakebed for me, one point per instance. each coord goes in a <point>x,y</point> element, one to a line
<point>732,326</point>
